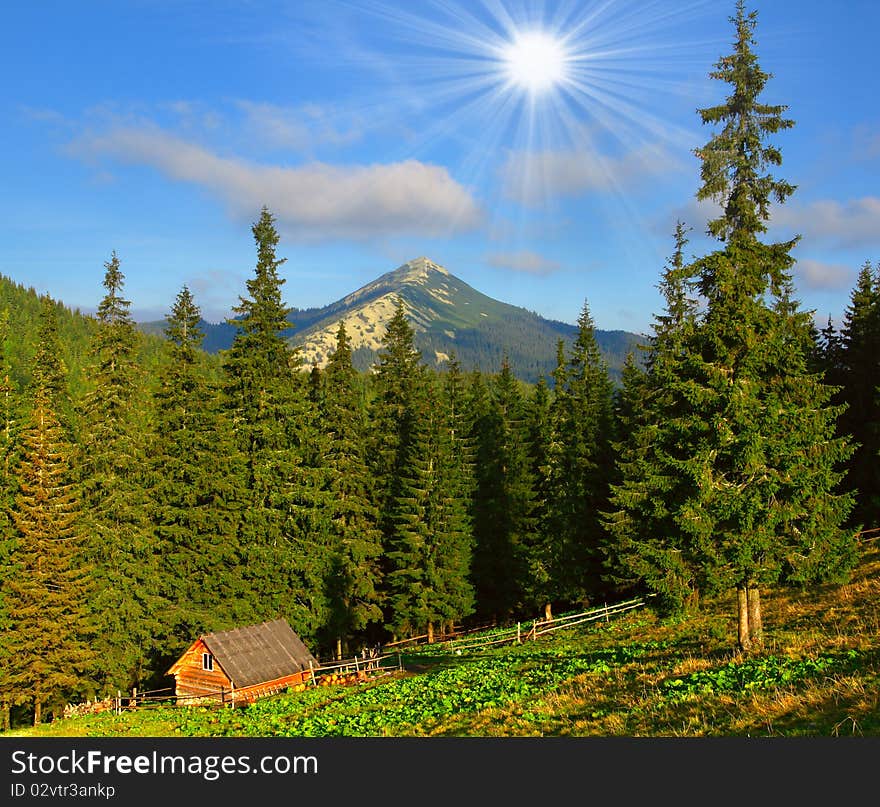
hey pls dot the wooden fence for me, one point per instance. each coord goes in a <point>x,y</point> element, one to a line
<point>373,663</point>
<point>872,535</point>
<point>365,667</point>
<point>519,633</point>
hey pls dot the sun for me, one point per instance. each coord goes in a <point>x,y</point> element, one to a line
<point>535,61</point>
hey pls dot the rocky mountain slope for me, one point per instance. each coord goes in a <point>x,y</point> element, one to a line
<point>448,317</point>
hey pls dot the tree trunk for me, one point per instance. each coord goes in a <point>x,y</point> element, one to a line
<point>6,716</point>
<point>38,711</point>
<point>339,648</point>
<point>430,633</point>
<point>756,627</point>
<point>548,611</point>
<point>745,643</point>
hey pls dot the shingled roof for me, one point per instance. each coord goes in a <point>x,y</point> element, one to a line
<point>258,653</point>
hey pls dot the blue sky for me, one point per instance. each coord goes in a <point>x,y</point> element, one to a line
<point>381,130</point>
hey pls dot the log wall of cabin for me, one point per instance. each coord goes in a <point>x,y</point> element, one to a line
<point>251,693</point>
<point>192,679</point>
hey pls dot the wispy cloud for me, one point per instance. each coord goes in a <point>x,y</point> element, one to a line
<point>823,223</point>
<point>854,223</point>
<point>301,129</point>
<point>523,261</point>
<point>818,275</point>
<point>313,202</point>
<point>532,177</point>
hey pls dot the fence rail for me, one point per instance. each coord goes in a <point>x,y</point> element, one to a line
<point>365,667</point>
<point>517,634</point>
<point>369,664</point>
<point>873,533</point>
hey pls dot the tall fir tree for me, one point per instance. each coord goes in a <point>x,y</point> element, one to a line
<point>430,548</point>
<point>10,423</point>
<point>192,503</point>
<point>114,417</point>
<point>411,549</point>
<point>354,583</point>
<point>764,508</point>
<point>658,429</point>
<point>860,376</point>
<point>48,594</point>
<point>273,421</point>
<point>585,420</point>
<point>398,376</point>
<point>49,371</point>
<point>541,545</point>
<point>455,459</point>
<point>504,516</point>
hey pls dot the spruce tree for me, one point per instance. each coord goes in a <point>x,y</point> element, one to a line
<point>455,459</point>
<point>542,556</point>
<point>585,404</point>
<point>504,516</point>
<point>396,381</point>
<point>48,592</point>
<point>411,549</point>
<point>398,373</point>
<point>860,360</point>
<point>354,582</point>
<point>191,499</point>
<point>764,508</point>
<point>277,453</point>
<point>113,477</point>
<point>49,371</point>
<point>9,427</point>
<point>658,429</point>
<point>430,548</point>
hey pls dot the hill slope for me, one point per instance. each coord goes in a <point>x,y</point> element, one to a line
<point>22,305</point>
<point>447,315</point>
<point>637,675</point>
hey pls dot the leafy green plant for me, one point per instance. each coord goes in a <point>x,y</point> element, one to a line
<point>759,673</point>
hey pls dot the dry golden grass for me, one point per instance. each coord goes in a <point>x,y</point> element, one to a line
<point>632,699</point>
<point>798,624</point>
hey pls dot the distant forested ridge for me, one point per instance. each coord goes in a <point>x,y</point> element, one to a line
<point>447,315</point>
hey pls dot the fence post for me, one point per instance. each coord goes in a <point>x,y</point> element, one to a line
<point>606,611</point>
<point>118,702</point>
<point>399,662</point>
<point>311,670</point>
<point>518,633</point>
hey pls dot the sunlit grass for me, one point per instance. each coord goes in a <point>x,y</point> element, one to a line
<point>819,676</point>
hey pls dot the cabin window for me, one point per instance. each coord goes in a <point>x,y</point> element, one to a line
<point>207,661</point>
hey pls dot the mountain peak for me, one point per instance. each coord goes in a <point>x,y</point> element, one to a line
<point>418,269</point>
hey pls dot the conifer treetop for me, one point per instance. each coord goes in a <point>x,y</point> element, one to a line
<point>113,308</point>
<point>735,160</point>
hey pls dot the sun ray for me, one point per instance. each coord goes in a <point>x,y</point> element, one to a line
<point>496,84</point>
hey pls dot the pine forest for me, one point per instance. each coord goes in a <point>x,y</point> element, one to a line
<point>151,491</point>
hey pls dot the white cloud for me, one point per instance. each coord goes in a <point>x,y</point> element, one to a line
<point>300,129</point>
<point>532,177</point>
<point>523,261</point>
<point>313,202</point>
<point>819,275</point>
<point>855,223</point>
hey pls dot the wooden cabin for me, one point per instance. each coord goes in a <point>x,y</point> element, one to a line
<point>242,664</point>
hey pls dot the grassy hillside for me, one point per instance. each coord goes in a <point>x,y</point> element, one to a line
<point>635,675</point>
<point>23,306</point>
